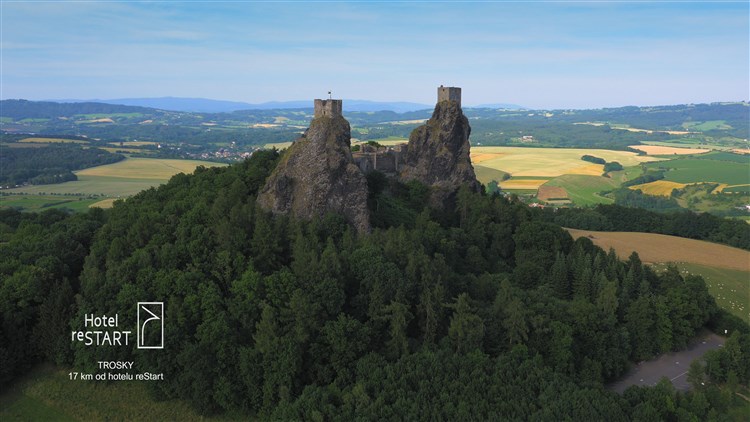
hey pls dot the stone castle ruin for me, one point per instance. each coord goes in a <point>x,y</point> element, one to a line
<point>320,174</point>
<point>449,93</point>
<point>390,159</point>
<point>327,108</point>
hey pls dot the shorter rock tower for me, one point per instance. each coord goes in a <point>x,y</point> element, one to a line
<point>438,154</point>
<point>449,93</point>
<point>329,108</point>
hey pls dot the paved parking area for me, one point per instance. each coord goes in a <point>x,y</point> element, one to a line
<point>674,366</point>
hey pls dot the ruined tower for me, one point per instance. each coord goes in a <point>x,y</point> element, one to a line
<point>328,108</point>
<point>449,93</point>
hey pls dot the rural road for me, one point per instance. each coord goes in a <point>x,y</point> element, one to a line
<point>674,365</point>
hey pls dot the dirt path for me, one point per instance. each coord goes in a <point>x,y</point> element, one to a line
<point>674,366</point>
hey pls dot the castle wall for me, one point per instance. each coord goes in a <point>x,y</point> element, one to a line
<point>386,160</point>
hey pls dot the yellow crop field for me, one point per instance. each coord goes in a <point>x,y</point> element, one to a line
<point>104,203</point>
<point>659,248</point>
<point>52,141</point>
<point>522,184</point>
<point>133,143</point>
<point>547,192</point>
<point>146,168</point>
<point>132,150</point>
<point>665,150</point>
<point>659,187</point>
<point>551,162</point>
<point>588,170</point>
<point>278,145</point>
<point>120,179</point>
<point>479,157</point>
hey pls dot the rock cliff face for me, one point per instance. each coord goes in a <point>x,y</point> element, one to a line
<point>317,175</point>
<point>438,154</point>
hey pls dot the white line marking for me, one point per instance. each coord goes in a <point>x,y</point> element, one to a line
<point>679,376</point>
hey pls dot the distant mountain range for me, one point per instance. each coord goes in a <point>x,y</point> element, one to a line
<point>204,105</point>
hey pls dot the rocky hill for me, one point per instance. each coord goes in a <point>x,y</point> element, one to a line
<point>438,154</point>
<point>317,175</point>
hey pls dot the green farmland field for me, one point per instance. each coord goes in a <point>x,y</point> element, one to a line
<point>730,288</point>
<point>123,178</point>
<point>44,202</point>
<point>737,189</point>
<point>584,190</point>
<point>486,174</point>
<point>48,394</point>
<point>695,170</point>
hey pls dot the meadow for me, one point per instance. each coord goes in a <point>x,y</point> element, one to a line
<point>121,179</point>
<point>533,168</point>
<point>45,202</point>
<point>694,170</point>
<point>725,269</point>
<point>730,288</point>
<point>47,393</point>
<point>659,187</point>
<point>668,150</point>
<point>584,190</point>
<point>52,141</point>
<point>654,248</point>
<point>550,162</point>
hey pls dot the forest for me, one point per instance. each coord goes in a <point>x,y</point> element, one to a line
<point>47,164</point>
<point>487,311</point>
<point>683,223</point>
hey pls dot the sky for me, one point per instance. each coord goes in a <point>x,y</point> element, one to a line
<point>536,54</point>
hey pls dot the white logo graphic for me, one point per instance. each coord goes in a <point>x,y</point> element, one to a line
<point>151,320</point>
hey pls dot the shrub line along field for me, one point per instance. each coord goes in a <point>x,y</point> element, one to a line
<point>725,269</point>
<point>653,248</point>
<point>551,162</point>
<point>667,150</point>
<point>120,179</point>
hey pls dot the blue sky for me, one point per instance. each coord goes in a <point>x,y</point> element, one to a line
<point>537,54</point>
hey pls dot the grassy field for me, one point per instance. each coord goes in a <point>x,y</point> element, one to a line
<point>47,394</point>
<point>725,269</point>
<point>551,193</point>
<point>52,141</point>
<point>278,145</point>
<point>666,150</point>
<point>737,189</point>
<point>522,183</point>
<point>706,126</point>
<point>584,190</point>
<point>486,175</point>
<point>104,203</point>
<point>127,150</point>
<point>44,202</point>
<point>659,187</point>
<point>655,248</point>
<point>694,170</point>
<point>550,162</point>
<point>132,143</point>
<point>730,288</point>
<point>146,168</point>
<point>689,143</point>
<point>120,179</point>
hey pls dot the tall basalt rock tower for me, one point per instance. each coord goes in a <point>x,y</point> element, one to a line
<point>317,174</point>
<point>438,152</point>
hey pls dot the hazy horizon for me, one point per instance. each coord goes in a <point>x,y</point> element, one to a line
<point>538,55</point>
<point>522,106</point>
